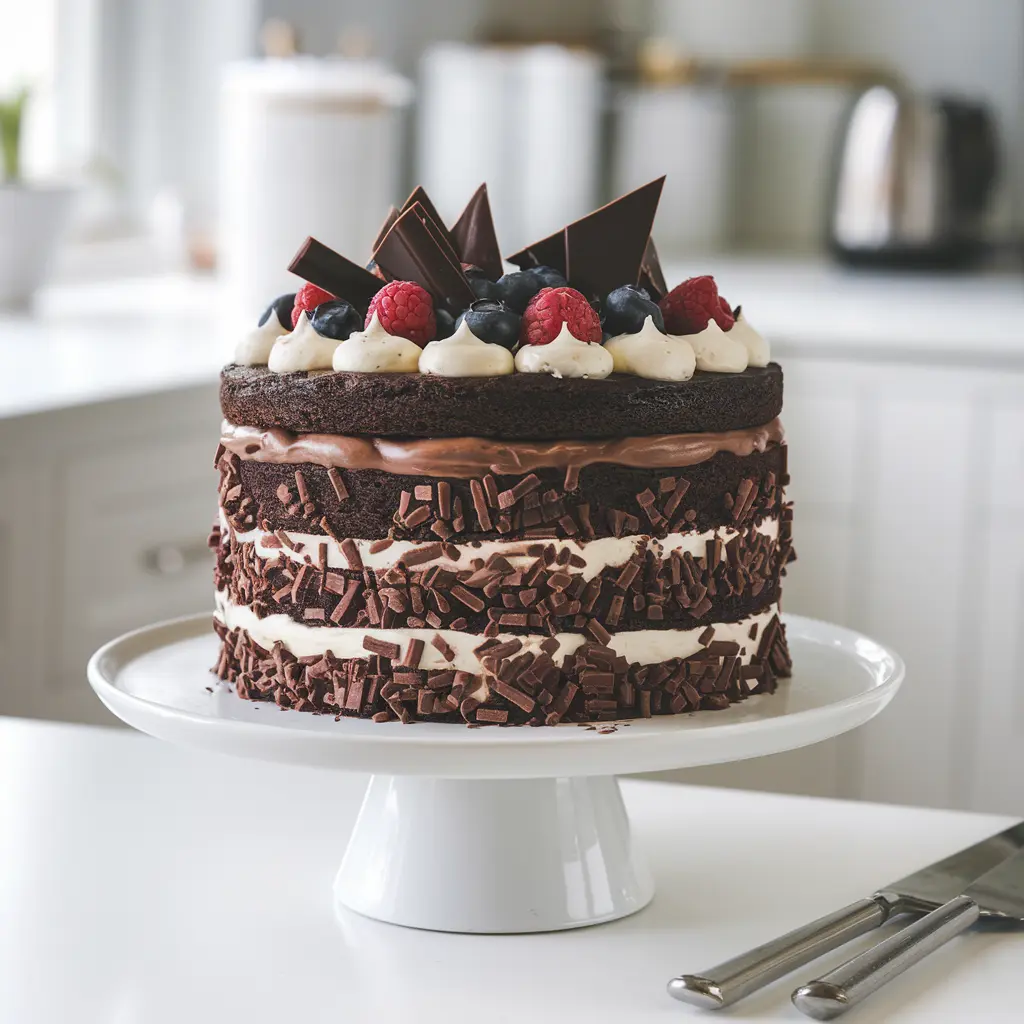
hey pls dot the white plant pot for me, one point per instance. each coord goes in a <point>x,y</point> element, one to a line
<point>32,218</point>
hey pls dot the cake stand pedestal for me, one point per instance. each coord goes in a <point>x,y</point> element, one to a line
<point>491,829</point>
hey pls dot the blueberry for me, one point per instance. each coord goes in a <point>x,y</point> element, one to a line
<point>492,321</point>
<point>282,307</point>
<point>485,288</point>
<point>626,309</point>
<point>517,289</point>
<point>445,323</point>
<point>548,277</point>
<point>336,319</point>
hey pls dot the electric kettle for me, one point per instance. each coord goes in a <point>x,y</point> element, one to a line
<point>912,180</point>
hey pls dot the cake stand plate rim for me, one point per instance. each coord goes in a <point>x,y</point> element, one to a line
<point>761,725</point>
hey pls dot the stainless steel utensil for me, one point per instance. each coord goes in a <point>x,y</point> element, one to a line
<point>923,891</point>
<point>997,895</point>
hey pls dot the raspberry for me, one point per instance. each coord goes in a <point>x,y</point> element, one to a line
<point>552,307</point>
<point>690,305</point>
<point>404,309</point>
<point>307,298</point>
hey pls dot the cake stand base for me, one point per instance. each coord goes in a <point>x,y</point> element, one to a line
<point>495,855</point>
<point>490,830</point>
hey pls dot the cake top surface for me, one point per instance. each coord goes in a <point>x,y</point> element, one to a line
<point>432,337</point>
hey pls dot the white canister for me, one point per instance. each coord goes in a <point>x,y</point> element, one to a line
<point>308,147</point>
<point>686,132</point>
<point>525,119</point>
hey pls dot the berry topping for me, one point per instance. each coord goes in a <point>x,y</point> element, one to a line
<point>493,322</point>
<point>626,309</point>
<point>552,307</point>
<point>405,309</point>
<point>281,309</point>
<point>336,319</point>
<point>690,305</point>
<point>517,289</point>
<point>483,287</point>
<point>548,277</point>
<point>445,323</point>
<point>728,311</point>
<point>307,298</point>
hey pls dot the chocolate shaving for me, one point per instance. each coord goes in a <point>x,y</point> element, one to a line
<point>606,248</point>
<point>414,250</point>
<point>381,647</point>
<point>340,490</point>
<point>351,553</point>
<point>474,236</point>
<point>316,263</point>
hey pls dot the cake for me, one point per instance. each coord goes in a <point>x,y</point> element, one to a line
<point>452,493</point>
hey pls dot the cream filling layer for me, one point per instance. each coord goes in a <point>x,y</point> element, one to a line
<point>641,646</point>
<point>597,554</point>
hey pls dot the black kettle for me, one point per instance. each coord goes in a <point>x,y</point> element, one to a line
<point>912,180</point>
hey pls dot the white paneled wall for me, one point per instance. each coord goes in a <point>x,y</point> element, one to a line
<point>909,490</point>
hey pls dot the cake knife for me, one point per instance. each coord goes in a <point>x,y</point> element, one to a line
<point>997,896</point>
<point>923,891</point>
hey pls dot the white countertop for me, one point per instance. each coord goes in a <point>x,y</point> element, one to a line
<point>95,342</point>
<point>141,884</point>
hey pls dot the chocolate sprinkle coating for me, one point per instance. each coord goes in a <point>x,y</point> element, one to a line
<point>529,406</point>
<point>592,685</point>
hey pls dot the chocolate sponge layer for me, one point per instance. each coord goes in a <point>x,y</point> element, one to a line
<point>529,406</point>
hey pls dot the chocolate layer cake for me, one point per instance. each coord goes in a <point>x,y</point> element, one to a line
<point>568,507</point>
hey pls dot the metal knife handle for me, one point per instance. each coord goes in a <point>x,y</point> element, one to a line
<point>736,978</point>
<point>834,993</point>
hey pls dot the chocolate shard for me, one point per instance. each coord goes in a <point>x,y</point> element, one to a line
<point>475,239</point>
<point>652,277</point>
<point>605,249</point>
<point>393,214</point>
<point>419,195</point>
<point>413,251</point>
<point>548,252</point>
<point>329,270</point>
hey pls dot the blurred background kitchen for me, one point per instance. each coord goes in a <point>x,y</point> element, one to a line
<point>852,172</point>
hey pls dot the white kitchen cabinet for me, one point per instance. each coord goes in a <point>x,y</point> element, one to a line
<point>105,513</point>
<point>908,482</point>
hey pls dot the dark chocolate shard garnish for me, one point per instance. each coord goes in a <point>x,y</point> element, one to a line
<point>547,252</point>
<point>605,249</point>
<point>329,270</point>
<point>393,214</point>
<point>419,195</point>
<point>439,234</point>
<point>475,239</point>
<point>652,277</point>
<point>413,251</point>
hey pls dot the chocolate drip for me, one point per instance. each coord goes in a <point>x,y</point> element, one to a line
<point>472,457</point>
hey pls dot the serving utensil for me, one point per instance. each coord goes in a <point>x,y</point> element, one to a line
<point>925,890</point>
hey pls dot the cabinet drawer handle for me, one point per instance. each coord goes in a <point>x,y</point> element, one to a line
<point>174,559</point>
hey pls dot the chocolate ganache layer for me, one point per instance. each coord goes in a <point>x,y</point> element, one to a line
<point>536,406</point>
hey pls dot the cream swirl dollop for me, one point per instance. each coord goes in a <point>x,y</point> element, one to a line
<point>373,350</point>
<point>718,351</point>
<point>566,356</point>
<point>465,355</point>
<point>303,349</point>
<point>652,354</point>
<point>253,349</point>
<point>758,352</point>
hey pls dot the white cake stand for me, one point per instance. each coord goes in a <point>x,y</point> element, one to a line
<point>490,829</point>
